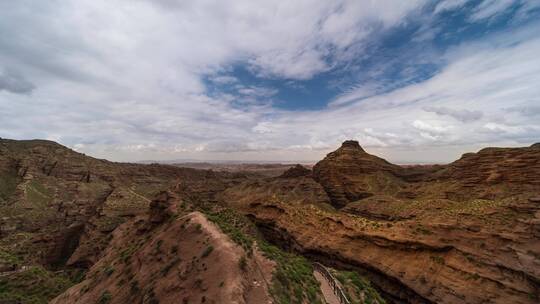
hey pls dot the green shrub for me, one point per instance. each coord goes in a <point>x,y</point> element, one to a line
<point>168,267</point>
<point>207,251</point>
<point>134,286</point>
<point>437,259</point>
<point>105,297</point>
<point>293,280</point>
<point>108,270</point>
<point>8,185</point>
<point>242,263</point>
<point>35,285</point>
<point>232,224</point>
<point>353,283</point>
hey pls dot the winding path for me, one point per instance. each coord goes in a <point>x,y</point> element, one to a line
<point>330,287</point>
<point>327,291</point>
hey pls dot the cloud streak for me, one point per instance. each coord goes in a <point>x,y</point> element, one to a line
<point>14,83</point>
<point>462,115</point>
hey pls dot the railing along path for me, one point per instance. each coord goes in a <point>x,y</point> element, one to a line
<point>336,287</point>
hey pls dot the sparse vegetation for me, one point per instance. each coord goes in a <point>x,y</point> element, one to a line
<point>437,259</point>
<point>423,230</point>
<point>242,263</point>
<point>126,254</point>
<point>134,286</point>
<point>159,243</point>
<point>7,258</point>
<point>293,281</point>
<point>207,251</point>
<point>234,225</point>
<point>198,283</point>
<point>473,276</point>
<point>108,270</point>
<point>105,297</point>
<point>8,184</point>
<point>37,194</point>
<point>418,217</point>
<point>358,289</point>
<point>34,285</point>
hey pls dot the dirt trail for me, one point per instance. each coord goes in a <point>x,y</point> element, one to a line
<point>138,195</point>
<point>327,291</point>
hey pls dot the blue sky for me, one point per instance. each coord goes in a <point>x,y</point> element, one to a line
<point>410,52</point>
<point>413,81</point>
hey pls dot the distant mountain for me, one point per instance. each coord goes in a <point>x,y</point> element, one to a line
<point>232,162</point>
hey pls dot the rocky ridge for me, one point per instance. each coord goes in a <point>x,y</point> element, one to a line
<point>147,262</point>
<point>463,232</point>
<point>350,174</point>
<point>431,245</point>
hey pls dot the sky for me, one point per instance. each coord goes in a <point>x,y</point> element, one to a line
<point>413,81</point>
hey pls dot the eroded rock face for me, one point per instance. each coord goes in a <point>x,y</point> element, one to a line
<point>466,232</point>
<point>186,260</point>
<point>162,208</point>
<point>421,234</point>
<point>349,174</point>
<point>295,190</point>
<point>296,171</point>
<point>447,253</point>
<point>45,188</point>
<point>491,166</point>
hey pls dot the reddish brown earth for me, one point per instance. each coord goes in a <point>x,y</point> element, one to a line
<point>350,174</point>
<point>172,256</point>
<point>251,169</point>
<point>444,242</point>
<point>66,204</point>
<point>466,232</point>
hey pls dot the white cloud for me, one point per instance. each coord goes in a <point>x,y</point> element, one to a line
<point>224,79</point>
<point>479,84</point>
<point>355,94</point>
<point>447,5</point>
<point>516,131</point>
<point>262,128</point>
<point>78,147</point>
<point>124,80</point>
<point>255,91</point>
<point>126,72</point>
<point>431,128</point>
<point>462,115</point>
<point>490,8</point>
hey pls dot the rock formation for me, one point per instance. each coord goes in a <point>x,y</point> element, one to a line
<point>493,173</point>
<point>48,189</point>
<point>296,171</point>
<point>465,232</point>
<point>350,174</point>
<point>431,246</point>
<point>187,260</point>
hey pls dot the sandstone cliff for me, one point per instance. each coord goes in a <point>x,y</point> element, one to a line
<point>422,235</point>
<point>465,232</point>
<point>350,174</point>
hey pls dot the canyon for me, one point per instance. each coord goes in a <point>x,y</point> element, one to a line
<point>87,230</point>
